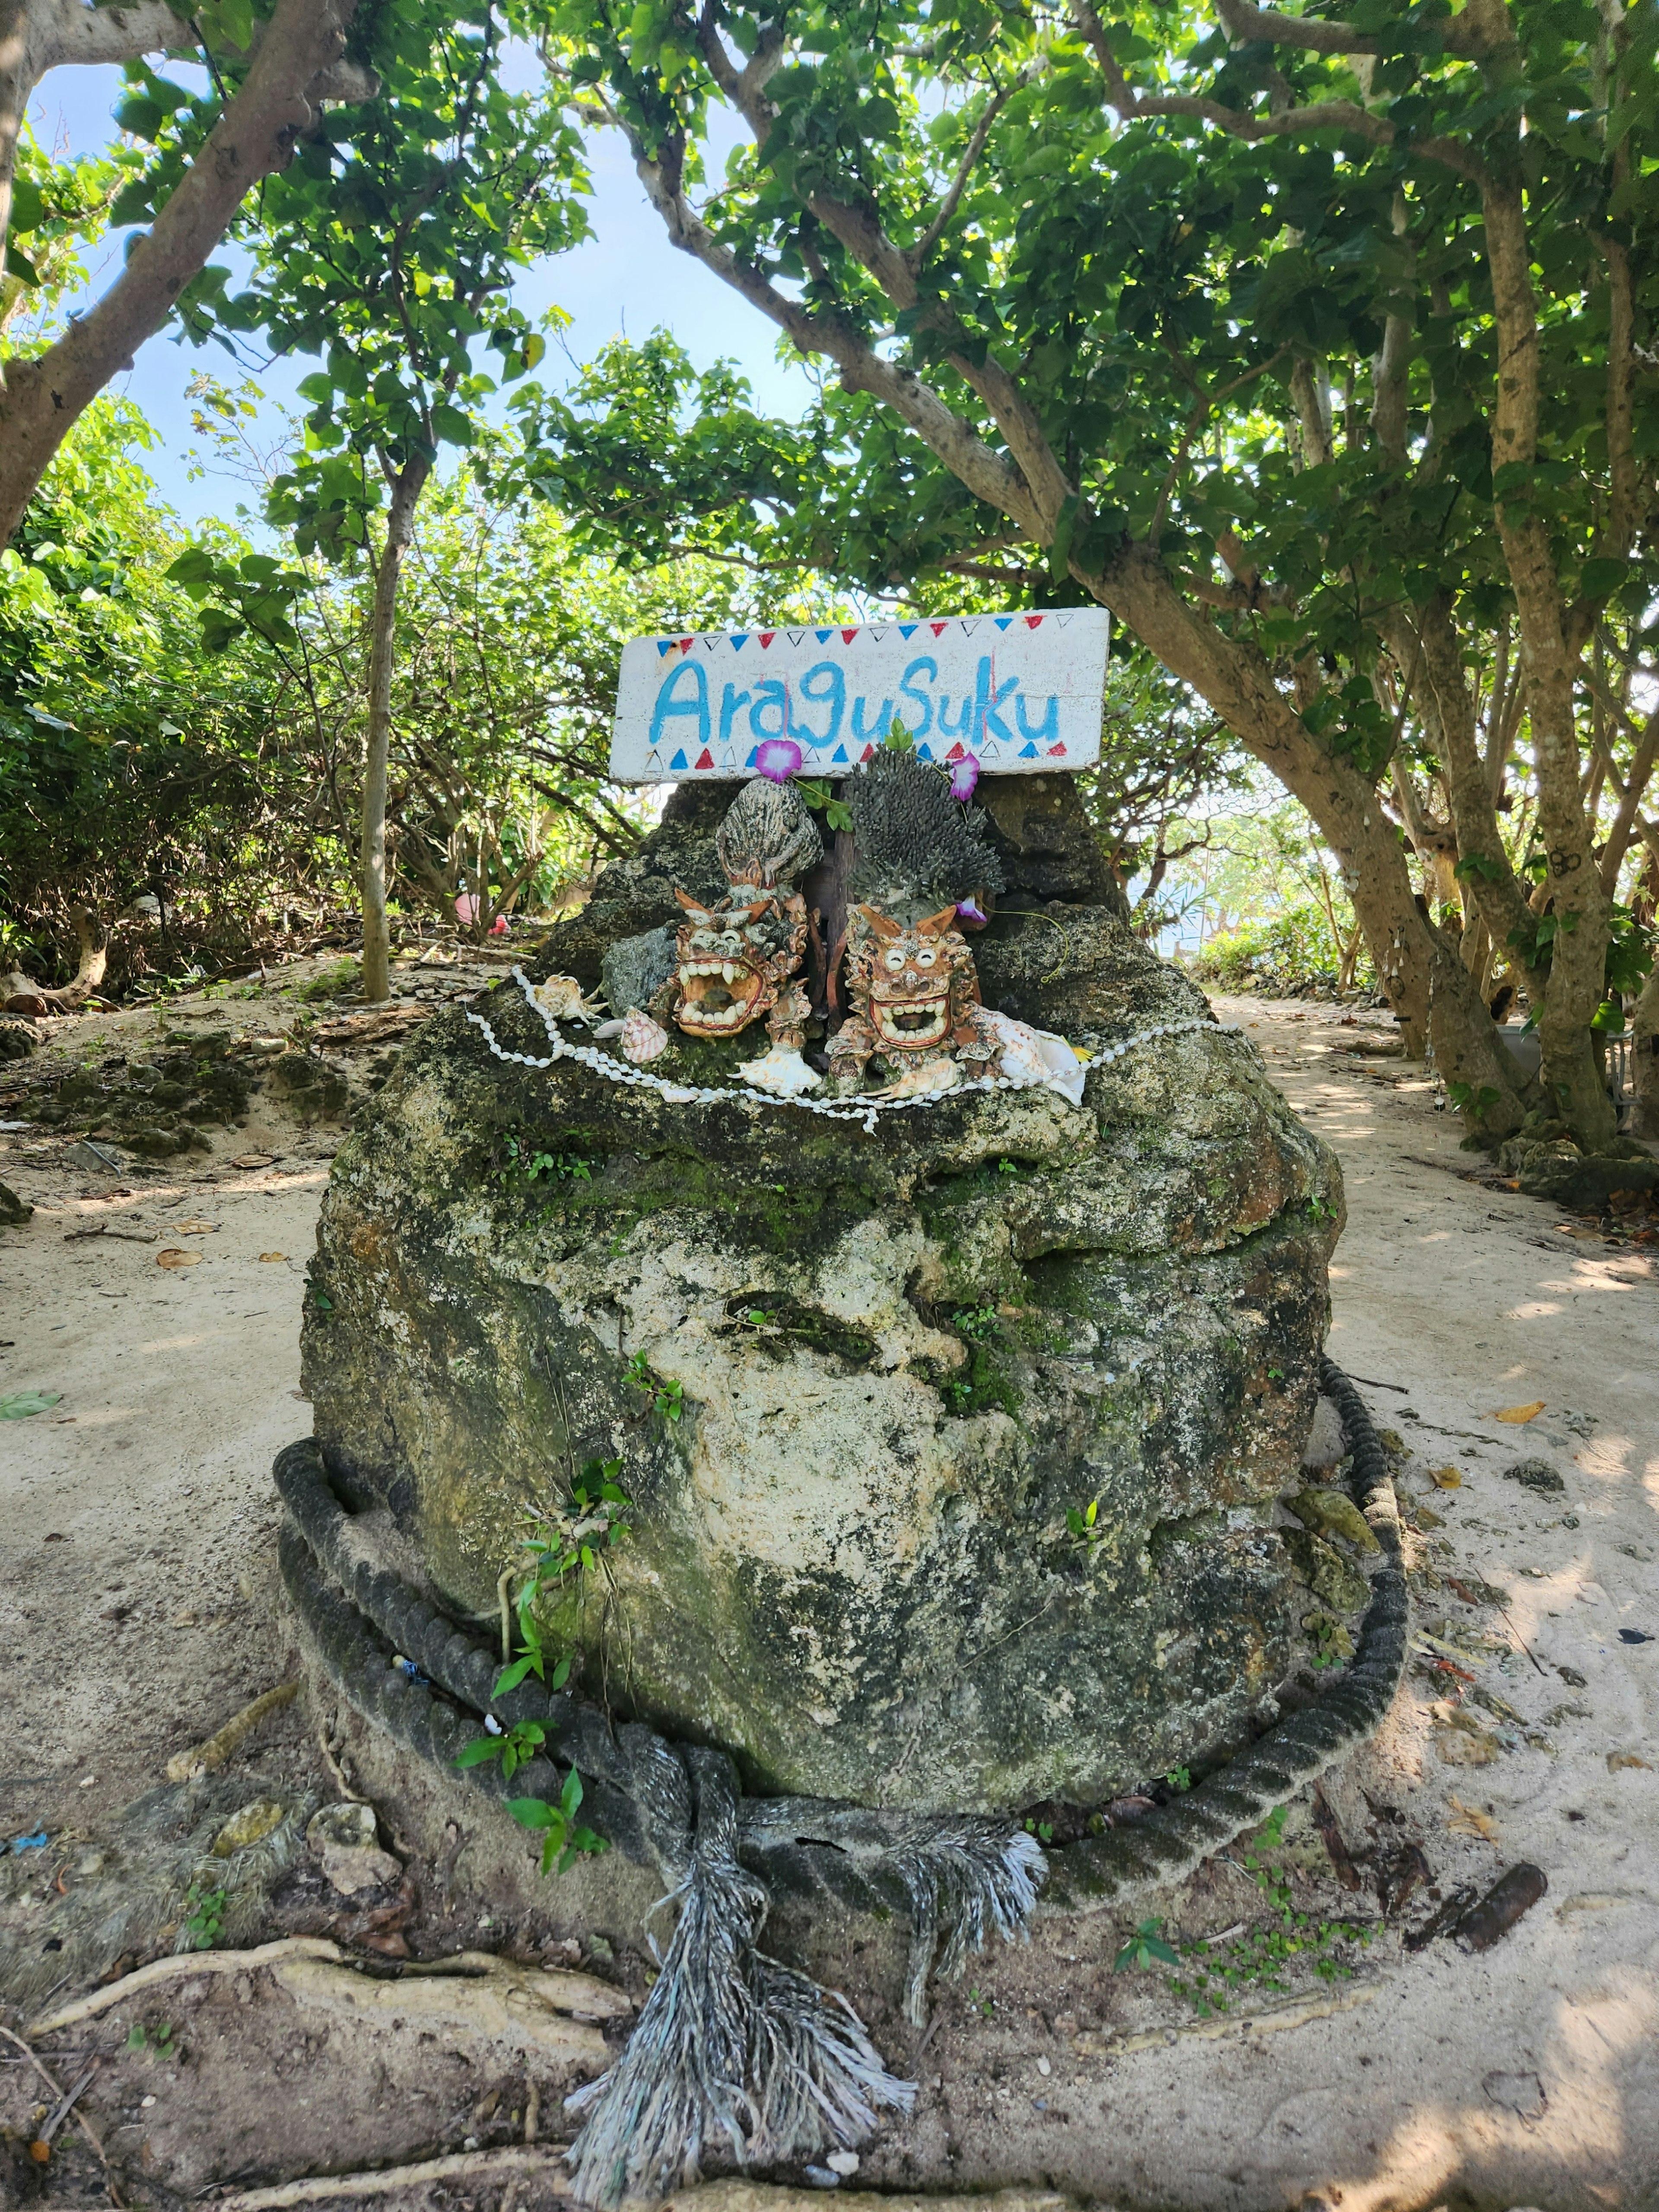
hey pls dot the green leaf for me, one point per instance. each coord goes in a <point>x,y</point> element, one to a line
<point>480,1748</point>
<point>18,1404</point>
<point>534,1813</point>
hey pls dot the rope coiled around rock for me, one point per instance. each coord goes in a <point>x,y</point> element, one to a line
<point>734,2051</point>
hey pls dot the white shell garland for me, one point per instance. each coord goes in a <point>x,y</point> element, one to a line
<point>866,1110</point>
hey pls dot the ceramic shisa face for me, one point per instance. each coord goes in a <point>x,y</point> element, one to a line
<point>912,998</point>
<point>733,963</point>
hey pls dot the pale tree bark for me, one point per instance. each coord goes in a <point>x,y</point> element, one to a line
<point>1644,1026</point>
<point>1570,1077</point>
<point>298,63</point>
<point>408,484</point>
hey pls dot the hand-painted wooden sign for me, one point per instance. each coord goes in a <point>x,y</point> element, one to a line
<point>1019,692</point>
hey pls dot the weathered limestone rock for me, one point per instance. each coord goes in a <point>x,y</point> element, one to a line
<point>902,1356</point>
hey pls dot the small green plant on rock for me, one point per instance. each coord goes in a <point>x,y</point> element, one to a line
<point>515,1746</point>
<point>535,1166</point>
<point>204,1915</point>
<point>1329,1638</point>
<point>1082,1527</point>
<point>574,1540</point>
<point>563,1841</point>
<point>1145,1948</point>
<point>667,1398</point>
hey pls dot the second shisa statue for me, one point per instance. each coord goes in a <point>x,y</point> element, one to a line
<point>912,990</point>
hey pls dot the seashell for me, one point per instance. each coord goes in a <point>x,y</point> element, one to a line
<point>782,1070</point>
<point>1030,1056</point>
<point>561,999</point>
<point>924,1079</point>
<point>642,1039</point>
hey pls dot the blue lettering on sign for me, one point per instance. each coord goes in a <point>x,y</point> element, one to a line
<point>987,700</point>
<point>1048,731</point>
<point>731,700</point>
<point>831,693</point>
<point>964,725</point>
<point>865,731</point>
<point>922,660</point>
<point>671,707</point>
<point>778,708</point>
<point>774,695</point>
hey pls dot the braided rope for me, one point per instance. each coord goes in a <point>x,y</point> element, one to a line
<point>866,1110</point>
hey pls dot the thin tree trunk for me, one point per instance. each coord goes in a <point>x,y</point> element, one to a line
<point>406,491</point>
<point>1645,1058</point>
<point>1419,972</point>
<point>1571,1078</point>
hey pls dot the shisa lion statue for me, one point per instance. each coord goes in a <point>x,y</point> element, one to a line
<point>912,990</point>
<point>914,1000</point>
<point>741,959</point>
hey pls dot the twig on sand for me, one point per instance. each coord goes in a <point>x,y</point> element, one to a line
<point>1513,1630</point>
<point>208,1758</point>
<point>63,2104</point>
<point>467,2164</point>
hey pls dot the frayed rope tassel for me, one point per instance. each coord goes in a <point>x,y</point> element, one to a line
<point>734,2053</point>
<point>970,1879</point>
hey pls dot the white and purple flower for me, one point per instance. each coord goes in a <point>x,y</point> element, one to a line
<point>965,775</point>
<point>778,759</point>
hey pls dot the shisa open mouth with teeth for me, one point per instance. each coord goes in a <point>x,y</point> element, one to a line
<point>718,996</point>
<point>910,1023</point>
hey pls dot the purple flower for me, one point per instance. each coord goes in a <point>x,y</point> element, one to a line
<point>969,911</point>
<point>779,758</point>
<point>965,775</point>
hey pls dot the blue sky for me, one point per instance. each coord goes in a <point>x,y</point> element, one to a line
<point>626,278</point>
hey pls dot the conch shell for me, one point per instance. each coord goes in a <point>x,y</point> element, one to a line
<point>782,1071</point>
<point>560,998</point>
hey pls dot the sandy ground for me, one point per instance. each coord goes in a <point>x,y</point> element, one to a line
<point>138,1610</point>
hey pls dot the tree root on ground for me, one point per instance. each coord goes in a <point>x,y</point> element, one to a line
<point>1267,2019</point>
<point>460,2165</point>
<point>208,1758</point>
<point>548,2010</point>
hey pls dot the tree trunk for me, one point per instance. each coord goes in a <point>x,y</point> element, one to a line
<point>406,490</point>
<point>1572,1079</point>
<point>1420,973</point>
<point>298,63</point>
<point>1645,1058</point>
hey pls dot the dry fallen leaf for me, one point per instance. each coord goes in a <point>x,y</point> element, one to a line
<point>1470,1821</point>
<point>273,1256</point>
<point>255,1160</point>
<point>195,1228</point>
<point>1619,1760</point>
<point>170,1257</point>
<point>1470,1746</point>
<point>1516,1415</point>
<point>1446,1478</point>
